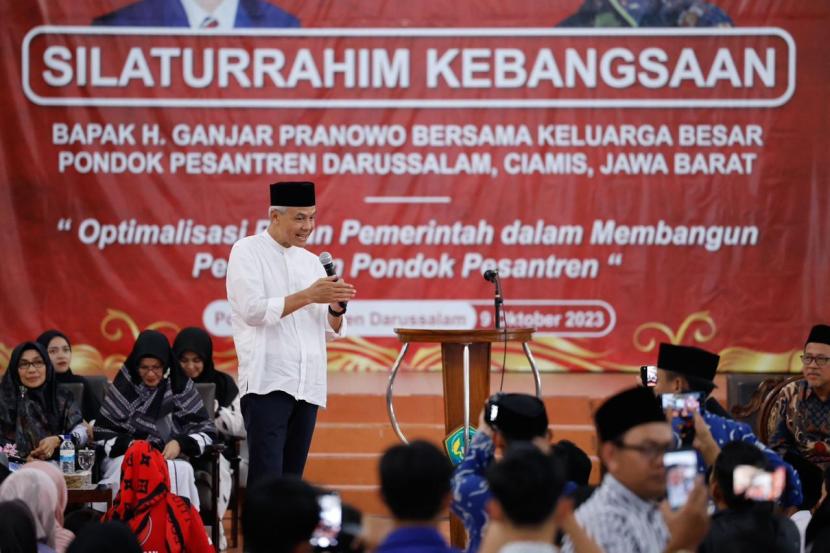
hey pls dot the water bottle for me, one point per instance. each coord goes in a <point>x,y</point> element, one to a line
<point>67,455</point>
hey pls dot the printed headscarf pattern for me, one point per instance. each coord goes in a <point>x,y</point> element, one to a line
<point>198,341</point>
<point>145,483</point>
<point>29,415</point>
<point>133,409</point>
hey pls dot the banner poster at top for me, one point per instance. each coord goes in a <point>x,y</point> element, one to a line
<point>636,172</point>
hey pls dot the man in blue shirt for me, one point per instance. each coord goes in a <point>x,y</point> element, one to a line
<point>683,369</point>
<point>511,418</point>
<point>415,485</point>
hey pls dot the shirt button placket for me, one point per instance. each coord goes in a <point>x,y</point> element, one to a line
<point>303,355</point>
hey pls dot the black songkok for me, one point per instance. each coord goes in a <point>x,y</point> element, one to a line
<point>688,361</point>
<point>819,334</point>
<point>293,194</point>
<point>520,416</point>
<point>624,411</point>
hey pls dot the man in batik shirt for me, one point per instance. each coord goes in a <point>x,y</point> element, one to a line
<point>802,432</point>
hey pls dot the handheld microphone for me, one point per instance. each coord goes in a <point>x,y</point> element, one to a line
<point>491,275</point>
<point>328,266</point>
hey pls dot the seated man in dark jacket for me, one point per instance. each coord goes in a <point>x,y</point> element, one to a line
<point>742,524</point>
<point>415,485</point>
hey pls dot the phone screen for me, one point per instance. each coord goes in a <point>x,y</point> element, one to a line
<point>681,405</point>
<point>331,519</point>
<point>648,376</point>
<point>758,484</point>
<point>681,471</point>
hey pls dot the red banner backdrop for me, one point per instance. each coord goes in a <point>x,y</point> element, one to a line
<point>631,185</point>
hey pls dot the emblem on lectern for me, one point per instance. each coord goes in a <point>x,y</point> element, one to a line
<point>454,444</point>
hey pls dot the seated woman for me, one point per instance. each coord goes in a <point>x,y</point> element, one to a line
<point>34,412</point>
<point>151,399</point>
<point>161,521</point>
<point>194,350</point>
<point>60,352</point>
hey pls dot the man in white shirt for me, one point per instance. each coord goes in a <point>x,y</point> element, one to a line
<point>284,309</point>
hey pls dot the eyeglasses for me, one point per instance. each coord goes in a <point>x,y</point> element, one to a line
<point>57,350</point>
<point>820,360</point>
<point>649,451</point>
<point>36,364</point>
<point>155,369</point>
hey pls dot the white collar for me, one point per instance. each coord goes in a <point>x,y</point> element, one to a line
<point>225,14</point>
<point>528,547</point>
<point>280,248</point>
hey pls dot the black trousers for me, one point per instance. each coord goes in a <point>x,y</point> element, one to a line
<point>812,478</point>
<point>279,431</point>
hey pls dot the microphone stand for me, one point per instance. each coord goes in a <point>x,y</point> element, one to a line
<point>498,300</point>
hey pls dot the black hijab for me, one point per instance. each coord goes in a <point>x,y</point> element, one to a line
<point>28,415</point>
<point>198,341</point>
<point>44,340</point>
<point>17,528</point>
<point>133,409</point>
<point>90,406</point>
<point>50,335</point>
<point>12,389</point>
<point>152,343</point>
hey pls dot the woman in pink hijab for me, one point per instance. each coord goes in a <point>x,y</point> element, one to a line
<point>63,537</point>
<point>38,492</point>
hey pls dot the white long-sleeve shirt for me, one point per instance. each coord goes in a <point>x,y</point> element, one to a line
<point>276,352</point>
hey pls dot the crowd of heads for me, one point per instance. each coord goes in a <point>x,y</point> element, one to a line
<point>531,480</point>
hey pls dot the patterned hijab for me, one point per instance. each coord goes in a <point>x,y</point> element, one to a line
<point>173,408</point>
<point>144,501</point>
<point>27,415</point>
<point>198,341</point>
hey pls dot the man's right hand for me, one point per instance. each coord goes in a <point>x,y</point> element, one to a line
<point>330,290</point>
<point>689,525</point>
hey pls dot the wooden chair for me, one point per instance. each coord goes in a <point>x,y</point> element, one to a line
<point>762,403</point>
<point>740,390</point>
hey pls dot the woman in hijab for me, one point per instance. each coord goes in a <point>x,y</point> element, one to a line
<point>17,528</point>
<point>60,353</point>
<point>38,493</point>
<point>34,412</point>
<point>151,399</point>
<point>63,537</point>
<point>194,350</point>
<point>159,519</point>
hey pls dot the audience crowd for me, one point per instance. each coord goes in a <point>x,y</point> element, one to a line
<point>517,489</point>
